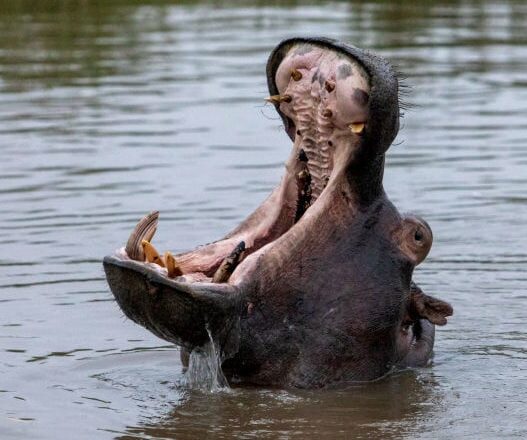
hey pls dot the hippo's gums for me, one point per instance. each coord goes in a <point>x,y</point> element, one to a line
<point>315,287</point>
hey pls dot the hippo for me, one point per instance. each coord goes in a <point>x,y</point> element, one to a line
<point>314,289</point>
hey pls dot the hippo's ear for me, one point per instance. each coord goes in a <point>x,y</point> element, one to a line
<point>427,307</point>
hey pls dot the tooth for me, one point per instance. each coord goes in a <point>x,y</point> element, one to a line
<point>173,268</point>
<point>296,75</point>
<point>151,254</point>
<point>277,99</point>
<point>330,86</point>
<point>327,113</point>
<point>228,265</point>
<point>303,175</point>
<point>144,230</point>
<point>303,186</point>
<point>357,127</point>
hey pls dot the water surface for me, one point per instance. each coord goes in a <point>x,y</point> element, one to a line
<point>112,109</point>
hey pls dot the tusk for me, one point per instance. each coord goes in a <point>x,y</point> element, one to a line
<point>357,127</point>
<point>173,268</point>
<point>151,254</point>
<point>277,99</point>
<point>144,230</point>
<point>296,74</point>
<point>228,265</point>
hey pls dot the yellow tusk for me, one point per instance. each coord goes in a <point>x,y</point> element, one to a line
<point>173,268</point>
<point>277,99</point>
<point>357,127</point>
<point>151,254</point>
<point>296,74</point>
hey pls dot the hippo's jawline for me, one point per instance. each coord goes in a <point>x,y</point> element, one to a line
<point>314,287</point>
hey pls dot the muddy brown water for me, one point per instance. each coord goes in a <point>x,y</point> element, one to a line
<point>112,109</point>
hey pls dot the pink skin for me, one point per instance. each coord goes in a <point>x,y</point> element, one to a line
<point>341,73</point>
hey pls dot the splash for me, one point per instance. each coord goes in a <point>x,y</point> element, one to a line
<point>204,370</point>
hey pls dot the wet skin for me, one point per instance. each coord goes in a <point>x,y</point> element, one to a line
<point>315,287</point>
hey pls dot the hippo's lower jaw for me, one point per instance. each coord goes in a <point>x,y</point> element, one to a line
<point>315,287</point>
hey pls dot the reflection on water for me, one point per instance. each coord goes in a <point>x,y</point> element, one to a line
<point>112,109</point>
<point>384,409</point>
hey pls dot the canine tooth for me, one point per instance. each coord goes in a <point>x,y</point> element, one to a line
<point>330,86</point>
<point>228,265</point>
<point>151,254</point>
<point>173,268</point>
<point>357,127</point>
<point>277,99</point>
<point>144,230</point>
<point>327,113</point>
<point>296,74</point>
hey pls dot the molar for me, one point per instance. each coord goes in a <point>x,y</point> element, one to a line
<point>303,183</point>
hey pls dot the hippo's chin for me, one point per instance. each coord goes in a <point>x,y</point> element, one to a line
<point>314,287</point>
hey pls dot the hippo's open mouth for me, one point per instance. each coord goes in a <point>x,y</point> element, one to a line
<point>319,276</point>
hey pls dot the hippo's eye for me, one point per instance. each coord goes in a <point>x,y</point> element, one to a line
<point>418,235</point>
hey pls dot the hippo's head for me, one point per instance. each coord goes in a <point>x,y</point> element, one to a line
<point>315,287</point>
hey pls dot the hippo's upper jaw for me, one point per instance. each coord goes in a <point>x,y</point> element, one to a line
<point>314,287</point>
